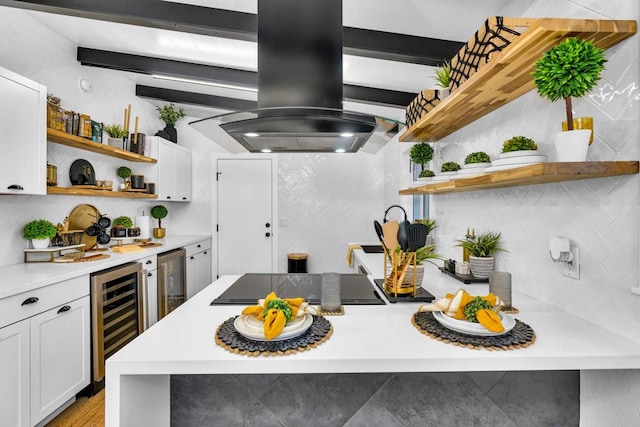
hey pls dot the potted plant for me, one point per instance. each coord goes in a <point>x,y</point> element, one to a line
<point>40,232</point>
<point>519,146</point>
<point>124,173</point>
<point>116,132</point>
<point>426,174</point>
<point>478,158</point>
<point>120,225</point>
<point>421,154</point>
<point>170,115</point>
<point>449,168</point>
<point>443,79</point>
<point>481,250</point>
<point>423,254</point>
<point>569,70</point>
<point>159,212</point>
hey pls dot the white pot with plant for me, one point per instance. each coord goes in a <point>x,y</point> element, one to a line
<point>475,163</point>
<point>116,134</point>
<point>40,232</point>
<point>481,252</point>
<point>443,80</point>
<point>569,70</point>
<point>423,254</point>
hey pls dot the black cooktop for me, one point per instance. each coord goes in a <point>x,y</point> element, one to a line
<point>355,289</point>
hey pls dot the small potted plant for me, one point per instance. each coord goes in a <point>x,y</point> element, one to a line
<point>477,159</point>
<point>449,168</point>
<point>519,146</point>
<point>40,232</point>
<point>170,115</point>
<point>423,254</point>
<point>481,252</point>
<point>159,212</point>
<point>426,175</point>
<point>421,154</point>
<point>120,225</point>
<point>116,132</point>
<point>569,70</point>
<point>124,173</point>
<point>443,79</point>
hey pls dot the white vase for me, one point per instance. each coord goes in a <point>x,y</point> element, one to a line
<point>572,145</point>
<point>481,267</point>
<point>408,279</point>
<point>40,243</point>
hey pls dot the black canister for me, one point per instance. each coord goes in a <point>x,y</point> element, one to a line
<point>137,182</point>
<point>297,263</point>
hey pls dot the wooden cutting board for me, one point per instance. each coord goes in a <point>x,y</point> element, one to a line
<point>126,249</point>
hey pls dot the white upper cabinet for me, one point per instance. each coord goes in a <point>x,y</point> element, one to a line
<point>174,171</point>
<point>23,140</point>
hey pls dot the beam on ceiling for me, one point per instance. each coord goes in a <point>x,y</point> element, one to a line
<point>150,65</point>
<point>241,26</point>
<point>183,97</point>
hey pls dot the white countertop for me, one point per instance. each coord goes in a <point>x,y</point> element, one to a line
<point>372,339</point>
<point>18,278</point>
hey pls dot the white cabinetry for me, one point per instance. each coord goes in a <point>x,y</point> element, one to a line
<point>174,171</point>
<point>198,267</point>
<point>44,350</point>
<point>150,293</point>
<point>23,120</point>
<point>14,371</point>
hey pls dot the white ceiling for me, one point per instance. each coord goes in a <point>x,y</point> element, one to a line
<point>452,20</point>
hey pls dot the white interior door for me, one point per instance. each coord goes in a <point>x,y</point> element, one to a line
<point>245,216</point>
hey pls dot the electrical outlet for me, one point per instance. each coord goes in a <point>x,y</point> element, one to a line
<point>572,269</point>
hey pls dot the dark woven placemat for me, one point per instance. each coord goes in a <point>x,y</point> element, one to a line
<point>521,336</point>
<point>228,337</point>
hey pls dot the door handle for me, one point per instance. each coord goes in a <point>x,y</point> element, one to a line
<point>30,300</point>
<point>63,309</point>
<point>267,234</point>
<point>15,187</point>
<point>267,225</point>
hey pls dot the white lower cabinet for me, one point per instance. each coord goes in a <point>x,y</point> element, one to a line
<point>60,357</point>
<point>150,290</point>
<point>198,267</point>
<point>45,347</point>
<point>14,371</point>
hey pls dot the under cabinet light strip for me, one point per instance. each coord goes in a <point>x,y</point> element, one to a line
<point>203,82</point>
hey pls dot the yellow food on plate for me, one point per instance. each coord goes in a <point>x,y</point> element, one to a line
<point>276,312</point>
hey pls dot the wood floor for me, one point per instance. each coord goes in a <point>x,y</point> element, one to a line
<point>87,412</point>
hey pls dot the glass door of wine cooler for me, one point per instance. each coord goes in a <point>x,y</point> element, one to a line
<point>172,281</point>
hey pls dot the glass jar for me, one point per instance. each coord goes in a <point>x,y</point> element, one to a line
<point>53,107</point>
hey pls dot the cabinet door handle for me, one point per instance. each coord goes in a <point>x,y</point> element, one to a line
<point>30,300</point>
<point>267,234</point>
<point>168,197</point>
<point>148,261</point>
<point>199,246</point>
<point>149,274</point>
<point>63,309</point>
<point>267,225</point>
<point>191,257</point>
<point>184,198</point>
<point>15,187</point>
<point>205,252</point>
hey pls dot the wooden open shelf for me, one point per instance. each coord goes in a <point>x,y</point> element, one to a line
<point>69,140</point>
<point>508,75</point>
<point>538,173</point>
<point>65,191</point>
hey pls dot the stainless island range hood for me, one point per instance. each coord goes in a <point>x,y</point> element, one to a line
<point>299,88</point>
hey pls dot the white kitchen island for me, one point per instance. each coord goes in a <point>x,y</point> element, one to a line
<point>367,339</point>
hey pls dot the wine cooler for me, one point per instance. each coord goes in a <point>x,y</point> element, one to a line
<point>116,313</point>
<point>172,281</point>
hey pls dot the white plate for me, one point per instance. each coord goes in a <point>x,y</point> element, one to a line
<point>470,328</point>
<point>475,165</point>
<point>250,327</point>
<point>519,160</point>
<point>521,153</point>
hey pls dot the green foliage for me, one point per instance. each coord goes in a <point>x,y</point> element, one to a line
<point>426,173</point>
<point>477,157</point>
<point>443,75</point>
<point>425,253</point>
<point>472,308</point>
<point>421,153</point>
<point>430,223</point>
<point>159,212</point>
<point>169,114</point>
<point>278,304</point>
<point>115,131</point>
<point>124,172</point>
<point>122,221</point>
<point>483,245</point>
<point>450,167</point>
<point>39,229</point>
<point>519,143</point>
<point>570,69</point>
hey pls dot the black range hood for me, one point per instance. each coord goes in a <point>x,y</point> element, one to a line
<point>299,88</point>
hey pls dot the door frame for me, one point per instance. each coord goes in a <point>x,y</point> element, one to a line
<point>214,205</point>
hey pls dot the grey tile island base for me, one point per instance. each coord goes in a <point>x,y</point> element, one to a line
<point>549,398</point>
<point>176,366</point>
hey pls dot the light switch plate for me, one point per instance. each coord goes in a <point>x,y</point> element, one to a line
<point>572,269</point>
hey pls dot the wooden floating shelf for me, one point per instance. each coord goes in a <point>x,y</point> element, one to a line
<point>508,75</point>
<point>74,141</point>
<point>64,191</point>
<point>538,173</point>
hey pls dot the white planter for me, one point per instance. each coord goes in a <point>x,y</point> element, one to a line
<point>481,267</point>
<point>444,93</point>
<point>572,145</point>
<point>408,279</point>
<point>115,142</point>
<point>40,243</point>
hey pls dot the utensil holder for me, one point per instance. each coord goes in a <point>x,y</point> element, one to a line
<point>396,266</point>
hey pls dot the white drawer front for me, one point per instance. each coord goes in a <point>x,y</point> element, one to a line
<point>194,248</point>
<point>27,304</point>
<point>149,263</point>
